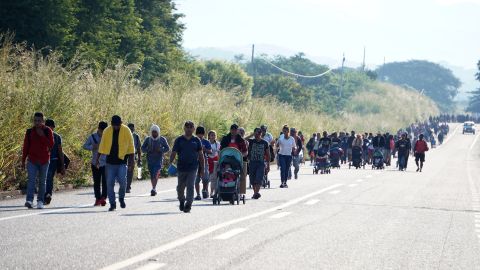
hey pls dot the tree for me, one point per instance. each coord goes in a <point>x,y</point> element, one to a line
<point>42,23</point>
<point>285,89</point>
<point>474,103</point>
<point>143,32</point>
<point>228,76</point>
<point>435,81</point>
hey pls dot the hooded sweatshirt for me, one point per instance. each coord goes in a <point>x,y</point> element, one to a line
<point>155,148</point>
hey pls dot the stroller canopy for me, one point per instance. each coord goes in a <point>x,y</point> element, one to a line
<point>231,155</point>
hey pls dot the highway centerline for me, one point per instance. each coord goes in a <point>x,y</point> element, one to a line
<point>189,238</point>
<point>281,215</point>
<point>230,234</point>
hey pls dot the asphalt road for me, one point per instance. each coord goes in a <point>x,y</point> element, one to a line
<point>351,219</point>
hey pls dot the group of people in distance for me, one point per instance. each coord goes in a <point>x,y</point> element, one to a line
<point>116,148</point>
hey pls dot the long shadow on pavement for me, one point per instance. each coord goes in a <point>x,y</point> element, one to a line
<point>152,214</point>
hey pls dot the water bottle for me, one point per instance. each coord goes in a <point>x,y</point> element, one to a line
<point>139,173</point>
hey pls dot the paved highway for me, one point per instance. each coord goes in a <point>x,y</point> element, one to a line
<point>351,219</point>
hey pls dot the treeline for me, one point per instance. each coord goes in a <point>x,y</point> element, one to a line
<point>432,80</point>
<point>474,102</point>
<point>99,33</point>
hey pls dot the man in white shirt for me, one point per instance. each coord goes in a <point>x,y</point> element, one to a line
<point>286,145</point>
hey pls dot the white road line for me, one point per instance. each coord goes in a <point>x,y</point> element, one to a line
<point>230,234</point>
<point>335,192</point>
<point>42,212</point>
<point>474,142</point>
<point>281,215</point>
<point>368,176</point>
<point>151,266</point>
<point>352,185</point>
<point>359,180</point>
<point>189,238</point>
<point>312,202</point>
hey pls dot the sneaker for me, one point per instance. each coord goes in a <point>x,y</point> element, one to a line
<point>205,194</point>
<point>122,204</point>
<point>285,185</point>
<point>48,199</point>
<point>259,195</point>
<point>418,169</point>
<point>40,205</point>
<point>182,206</point>
<point>198,198</point>
<point>103,201</point>
<point>98,202</point>
<point>28,205</point>
<point>282,185</point>
<point>112,208</point>
<point>256,196</point>
<point>153,192</point>
<point>128,190</point>
<point>296,176</point>
<point>188,207</point>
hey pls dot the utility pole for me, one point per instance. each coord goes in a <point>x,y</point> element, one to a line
<point>341,77</point>
<point>363,65</point>
<point>253,62</point>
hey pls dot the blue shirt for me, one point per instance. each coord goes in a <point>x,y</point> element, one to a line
<point>187,151</point>
<point>207,145</point>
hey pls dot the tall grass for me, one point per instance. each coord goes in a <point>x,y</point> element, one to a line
<point>76,98</point>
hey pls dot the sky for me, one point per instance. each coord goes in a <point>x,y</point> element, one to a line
<point>394,30</point>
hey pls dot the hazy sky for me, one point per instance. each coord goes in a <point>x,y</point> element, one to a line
<point>435,30</point>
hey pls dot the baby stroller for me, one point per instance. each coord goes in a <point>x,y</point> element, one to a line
<point>322,162</point>
<point>335,154</point>
<point>356,158</point>
<point>378,160</point>
<point>230,165</point>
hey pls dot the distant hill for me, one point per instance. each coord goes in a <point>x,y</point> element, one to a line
<point>467,77</point>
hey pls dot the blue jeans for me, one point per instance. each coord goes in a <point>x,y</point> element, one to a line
<point>52,170</point>
<point>34,170</point>
<point>285,164</point>
<point>116,173</point>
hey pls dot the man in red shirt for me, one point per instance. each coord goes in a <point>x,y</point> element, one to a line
<point>37,145</point>
<point>420,148</point>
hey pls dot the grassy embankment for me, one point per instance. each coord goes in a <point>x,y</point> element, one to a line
<point>77,99</point>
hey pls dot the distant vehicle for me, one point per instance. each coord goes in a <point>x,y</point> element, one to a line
<point>468,127</point>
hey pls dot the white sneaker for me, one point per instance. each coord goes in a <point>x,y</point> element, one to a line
<point>40,205</point>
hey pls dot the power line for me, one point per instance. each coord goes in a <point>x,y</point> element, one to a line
<point>295,74</point>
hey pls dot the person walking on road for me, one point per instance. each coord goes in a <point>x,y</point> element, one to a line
<point>155,146</point>
<point>286,145</point>
<point>190,161</point>
<point>138,156</point>
<point>207,150</point>
<point>259,161</point>
<point>420,148</point>
<point>403,150</point>
<point>117,144</point>
<point>296,159</point>
<point>37,144</point>
<point>99,178</point>
<point>56,162</point>
<point>212,160</point>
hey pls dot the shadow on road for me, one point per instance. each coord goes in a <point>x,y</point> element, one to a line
<point>152,214</point>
